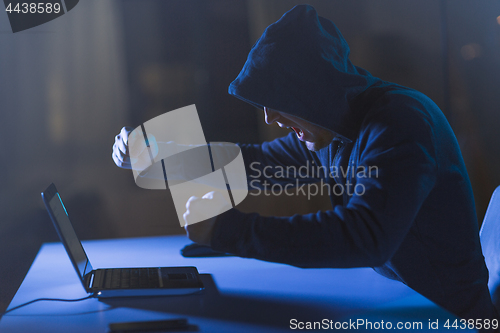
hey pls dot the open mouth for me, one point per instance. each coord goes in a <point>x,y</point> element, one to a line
<point>299,132</point>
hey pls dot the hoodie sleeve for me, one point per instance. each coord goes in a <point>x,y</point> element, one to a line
<point>369,229</point>
<point>277,162</point>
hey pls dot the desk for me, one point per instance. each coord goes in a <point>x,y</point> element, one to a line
<point>242,295</point>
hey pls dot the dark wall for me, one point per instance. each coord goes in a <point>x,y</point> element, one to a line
<point>187,52</point>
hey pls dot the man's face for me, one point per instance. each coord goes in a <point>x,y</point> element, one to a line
<point>314,136</point>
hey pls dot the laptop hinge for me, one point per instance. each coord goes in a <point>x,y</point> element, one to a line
<point>91,280</point>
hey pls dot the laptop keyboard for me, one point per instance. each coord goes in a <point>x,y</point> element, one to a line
<point>131,278</point>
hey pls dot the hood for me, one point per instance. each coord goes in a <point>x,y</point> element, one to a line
<point>300,66</point>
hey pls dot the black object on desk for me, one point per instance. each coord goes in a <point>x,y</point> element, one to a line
<point>198,250</point>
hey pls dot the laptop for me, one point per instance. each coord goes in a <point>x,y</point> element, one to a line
<point>117,282</point>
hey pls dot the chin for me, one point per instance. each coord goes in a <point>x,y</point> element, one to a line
<point>315,146</point>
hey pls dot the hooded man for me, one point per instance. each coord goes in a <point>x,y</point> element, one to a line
<point>406,207</point>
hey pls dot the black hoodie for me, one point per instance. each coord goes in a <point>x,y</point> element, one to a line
<point>406,206</point>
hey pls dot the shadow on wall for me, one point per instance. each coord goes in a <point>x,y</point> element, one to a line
<point>19,244</point>
<point>396,58</point>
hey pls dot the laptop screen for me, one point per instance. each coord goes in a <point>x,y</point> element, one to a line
<point>61,221</point>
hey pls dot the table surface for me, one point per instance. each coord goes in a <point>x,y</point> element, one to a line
<point>241,295</point>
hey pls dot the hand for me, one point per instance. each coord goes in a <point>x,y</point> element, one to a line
<point>198,228</point>
<point>130,150</point>
<point>120,149</point>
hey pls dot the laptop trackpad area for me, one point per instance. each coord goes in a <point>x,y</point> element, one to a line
<point>146,278</point>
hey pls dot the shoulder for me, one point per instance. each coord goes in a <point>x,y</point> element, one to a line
<point>402,110</point>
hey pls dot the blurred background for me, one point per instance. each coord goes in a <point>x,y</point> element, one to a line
<point>68,86</point>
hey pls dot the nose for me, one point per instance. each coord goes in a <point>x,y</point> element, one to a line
<point>271,116</point>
